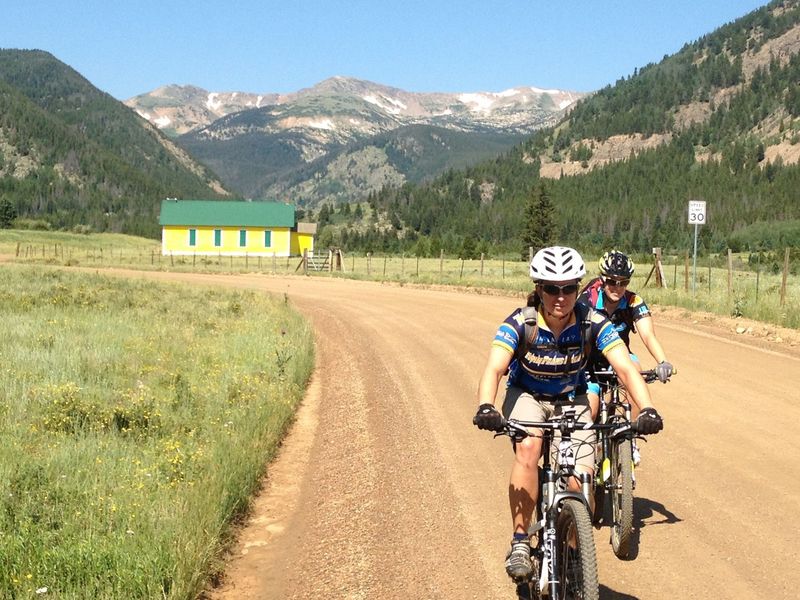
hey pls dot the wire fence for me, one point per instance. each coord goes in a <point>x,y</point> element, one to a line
<point>725,284</point>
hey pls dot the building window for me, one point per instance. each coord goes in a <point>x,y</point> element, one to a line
<point>267,239</point>
<point>193,237</point>
<point>217,238</point>
<point>242,238</point>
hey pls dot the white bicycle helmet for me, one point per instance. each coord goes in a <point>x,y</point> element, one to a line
<point>557,263</point>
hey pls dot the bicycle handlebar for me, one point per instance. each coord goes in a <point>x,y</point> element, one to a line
<point>517,428</point>
<point>649,375</point>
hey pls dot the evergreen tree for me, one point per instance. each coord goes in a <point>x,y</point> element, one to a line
<point>8,212</point>
<point>539,226</point>
<point>467,248</point>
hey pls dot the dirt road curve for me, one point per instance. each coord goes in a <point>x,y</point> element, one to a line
<point>384,490</point>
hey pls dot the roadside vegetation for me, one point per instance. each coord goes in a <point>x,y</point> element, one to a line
<point>755,289</point>
<point>136,420</point>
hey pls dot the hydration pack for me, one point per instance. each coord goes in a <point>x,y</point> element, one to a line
<point>530,314</point>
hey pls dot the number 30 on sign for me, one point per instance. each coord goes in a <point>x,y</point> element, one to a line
<point>697,212</point>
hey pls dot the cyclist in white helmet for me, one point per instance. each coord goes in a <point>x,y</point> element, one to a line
<point>547,371</point>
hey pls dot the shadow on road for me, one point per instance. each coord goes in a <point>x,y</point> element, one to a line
<point>644,509</point>
<point>647,513</point>
<point>607,593</point>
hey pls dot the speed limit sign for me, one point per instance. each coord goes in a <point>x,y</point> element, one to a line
<point>697,212</point>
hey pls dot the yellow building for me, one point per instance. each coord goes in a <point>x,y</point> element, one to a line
<point>233,228</point>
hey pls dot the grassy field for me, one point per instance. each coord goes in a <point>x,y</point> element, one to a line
<point>752,295</point>
<point>136,420</point>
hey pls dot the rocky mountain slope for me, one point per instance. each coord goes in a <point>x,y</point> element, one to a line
<point>719,121</point>
<point>284,144</point>
<point>71,155</point>
<point>177,110</point>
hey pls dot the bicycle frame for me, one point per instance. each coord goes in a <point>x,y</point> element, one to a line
<point>615,409</point>
<point>553,482</point>
<point>615,478</point>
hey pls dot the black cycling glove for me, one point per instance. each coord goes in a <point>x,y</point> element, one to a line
<point>649,421</point>
<point>488,418</point>
<point>664,371</point>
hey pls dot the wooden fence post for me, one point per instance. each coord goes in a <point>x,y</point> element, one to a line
<point>441,263</point>
<point>730,271</point>
<point>686,272</point>
<point>758,273</point>
<point>305,261</point>
<point>482,264</point>
<point>785,276</point>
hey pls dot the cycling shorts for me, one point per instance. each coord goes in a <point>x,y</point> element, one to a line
<point>519,404</point>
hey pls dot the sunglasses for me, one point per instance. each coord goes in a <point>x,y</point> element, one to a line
<point>559,290</point>
<point>618,282</point>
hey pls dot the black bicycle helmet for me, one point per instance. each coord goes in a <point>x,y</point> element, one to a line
<point>616,264</point>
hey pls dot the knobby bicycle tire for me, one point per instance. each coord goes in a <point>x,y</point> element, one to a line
<point>575,542</point>
<point>622,499</point>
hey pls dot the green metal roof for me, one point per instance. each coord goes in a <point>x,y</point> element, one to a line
<point>230,213</point>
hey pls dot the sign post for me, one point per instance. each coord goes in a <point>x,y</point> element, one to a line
<point>697,216</point>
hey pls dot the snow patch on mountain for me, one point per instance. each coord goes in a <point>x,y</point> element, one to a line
<point>392,110</point>
<point>212,103</point>
<point>162,122</point>
<point>477,102</point>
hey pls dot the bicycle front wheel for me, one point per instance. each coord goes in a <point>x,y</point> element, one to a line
<point>622,499</point>
<point>578,560</point>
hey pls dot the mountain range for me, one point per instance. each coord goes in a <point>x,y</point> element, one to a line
<point>718,121</point>
<point>294,146</point>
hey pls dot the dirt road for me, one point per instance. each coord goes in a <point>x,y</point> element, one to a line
<point>384,489</point>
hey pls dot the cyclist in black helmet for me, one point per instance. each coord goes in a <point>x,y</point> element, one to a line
<point>610,295</point>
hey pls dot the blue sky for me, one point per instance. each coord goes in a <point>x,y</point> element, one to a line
<point>130,47</point>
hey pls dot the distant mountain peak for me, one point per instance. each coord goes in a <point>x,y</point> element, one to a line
<point>178,109</point>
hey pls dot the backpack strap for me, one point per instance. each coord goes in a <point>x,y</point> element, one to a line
<point>628,316</point>
<point>584,314</point>
<point>530,315</point>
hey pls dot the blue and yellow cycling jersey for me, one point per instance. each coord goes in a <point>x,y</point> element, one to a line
<point>630,309</point>
<point>552,366</point>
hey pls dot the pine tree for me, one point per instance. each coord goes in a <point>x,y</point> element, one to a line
<point>539,227</point>
<point>8,212</point>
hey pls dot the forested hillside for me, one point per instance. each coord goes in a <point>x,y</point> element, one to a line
<point>718,121</point>
<point>72,156</point>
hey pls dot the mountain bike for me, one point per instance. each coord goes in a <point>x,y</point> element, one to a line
<point>564,559</point>
<point>614,469</point>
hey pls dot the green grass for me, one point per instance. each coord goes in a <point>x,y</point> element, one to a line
<point>136,420</point>
<point>749,298</point>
